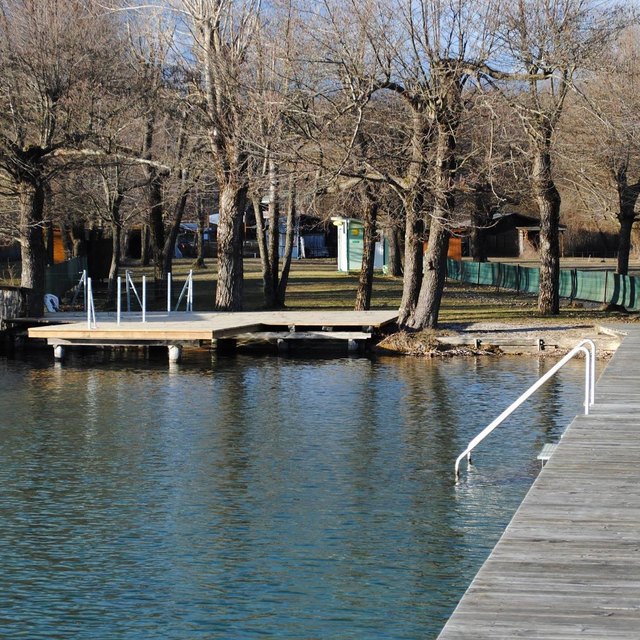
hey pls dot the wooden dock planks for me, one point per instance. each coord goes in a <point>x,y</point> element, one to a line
<point>568,564</point>
<point>180,327</point>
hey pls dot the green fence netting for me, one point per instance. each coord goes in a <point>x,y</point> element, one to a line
<point>62,277</point>
<point>605,287</point>
<point>624,290</point>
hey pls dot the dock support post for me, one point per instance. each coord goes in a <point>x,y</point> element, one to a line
<point>175,352</point>
<point>283,346</point>
<point>58,352</point>
<point>352,346</point>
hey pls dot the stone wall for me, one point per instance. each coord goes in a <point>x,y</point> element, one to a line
<point>15,302</point>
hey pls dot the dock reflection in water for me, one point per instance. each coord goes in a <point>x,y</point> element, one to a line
<point>247,497</point>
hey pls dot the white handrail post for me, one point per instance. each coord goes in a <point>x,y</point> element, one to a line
<point>592,346</point>
<point>168,293</point>
<point>91,309</point>
<point>127,279</point>
<point>118,299</point>
<point>190,292</point>
<point>89,297</point>
<point>84,288</point>
<point>144,298</point>
<point>587,381</point>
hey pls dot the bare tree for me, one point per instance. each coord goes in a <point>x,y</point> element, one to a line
<point>273,142</point>
<point>427,53</point>
<point>545,43</point>
<point>493,174</point>
<point>600,144</point>
<point>221,32</point>
<point>56,56</point>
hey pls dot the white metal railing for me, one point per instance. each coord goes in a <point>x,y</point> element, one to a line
<point>81,286</point>
<point>118,299</point>
<point>585,346</point>
<point>91,309</point>
<point>129,287</point>
<point>187,290</point>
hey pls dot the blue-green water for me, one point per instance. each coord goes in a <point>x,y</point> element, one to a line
<point>257,497</point>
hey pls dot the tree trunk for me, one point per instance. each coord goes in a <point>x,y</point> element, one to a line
<point>273,235</point>
<point>203,222</point>
<point>394,238</point>
<point>413,202</point>
<point>48,242</point>
<point>145,257</point>
<point>31,198</point>
<point>548,200</point>
<point>627,199</point>
<point>230,268</point>
<point>435,271</point>
<point>261,237</point>
<point>114,269</point>
<point>67,240</point>
<point>365,281</point>
<point>288,247</point>
<point>428,307</point>
<point>624,245</point>
<point>413,262</point>
<point>125,245</point>
<point>78,235</point>
<point>156,225</point>
<point>480,219</point>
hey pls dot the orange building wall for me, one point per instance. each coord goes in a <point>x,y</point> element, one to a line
<point>455,248</point>
<point>58,248</point>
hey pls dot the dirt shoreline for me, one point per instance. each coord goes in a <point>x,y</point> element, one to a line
<point>541,339</point>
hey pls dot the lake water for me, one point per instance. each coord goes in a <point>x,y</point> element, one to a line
<point>250,497</point>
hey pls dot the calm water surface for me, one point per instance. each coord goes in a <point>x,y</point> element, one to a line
<point>256,497</point>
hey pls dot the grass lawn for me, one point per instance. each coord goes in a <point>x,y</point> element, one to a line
<point>316,284</point>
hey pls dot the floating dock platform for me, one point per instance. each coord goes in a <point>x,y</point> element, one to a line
<point>180,329</point>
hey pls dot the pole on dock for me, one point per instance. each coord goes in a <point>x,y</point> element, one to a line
<point>89,296</point>
<point>144,298</point>
<point>91,310</point>
<point>127,277</point>
<point>168,293</point>
<point>118,301</point>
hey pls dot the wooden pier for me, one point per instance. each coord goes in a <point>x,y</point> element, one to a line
<point>180,329</point>
<point>568,564</point>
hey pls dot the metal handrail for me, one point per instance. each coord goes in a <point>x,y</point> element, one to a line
<point>130,286</point>
<point>91,308</point>
<point>82,285</point>
<point>589,394</point>
<point>188,290</point>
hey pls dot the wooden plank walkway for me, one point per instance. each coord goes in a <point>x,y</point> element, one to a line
<point>181,327</point>
<point>568,564</point>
